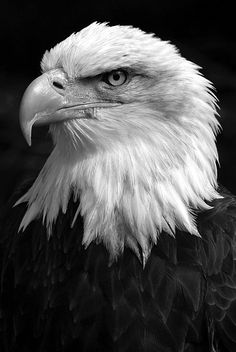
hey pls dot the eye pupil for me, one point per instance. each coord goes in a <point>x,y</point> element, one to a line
<point>116,76</point>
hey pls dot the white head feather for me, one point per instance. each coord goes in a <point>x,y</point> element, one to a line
<point>143,167</point>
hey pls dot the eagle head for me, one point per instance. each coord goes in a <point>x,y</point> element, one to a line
<point>133,125</point>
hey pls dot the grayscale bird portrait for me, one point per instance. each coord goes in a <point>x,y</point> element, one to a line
<point>118,193</point>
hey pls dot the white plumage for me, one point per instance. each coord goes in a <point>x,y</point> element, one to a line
<point>138,168</point>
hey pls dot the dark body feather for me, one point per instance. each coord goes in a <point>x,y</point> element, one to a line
<point>58,296</point>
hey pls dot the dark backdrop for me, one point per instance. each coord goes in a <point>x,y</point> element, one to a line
<point>203,31</point>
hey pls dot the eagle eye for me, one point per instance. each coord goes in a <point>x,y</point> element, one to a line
<point>115,78</point>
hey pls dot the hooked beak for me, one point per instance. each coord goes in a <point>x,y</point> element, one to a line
<point>49,100</point>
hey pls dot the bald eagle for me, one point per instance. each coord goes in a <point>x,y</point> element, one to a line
<point>125,241</point>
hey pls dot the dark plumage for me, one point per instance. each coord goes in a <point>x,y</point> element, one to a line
<point>57,296</point>
<point>125,242</point>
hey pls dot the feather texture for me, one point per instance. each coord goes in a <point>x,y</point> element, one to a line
<point>138,168</point>
<point>101,257</point>
<point>58,296</point>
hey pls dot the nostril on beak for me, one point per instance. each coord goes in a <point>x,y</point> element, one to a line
<point>57,85</point>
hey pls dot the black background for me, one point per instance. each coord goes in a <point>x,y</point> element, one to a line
<point>203,31</point>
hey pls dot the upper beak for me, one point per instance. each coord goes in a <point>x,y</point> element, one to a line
<point>48,99</point>
<point>41,102</point>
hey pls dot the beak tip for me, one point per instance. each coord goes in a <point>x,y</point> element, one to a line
<point>29,142</point>
<point>28,138</point>
<point>27,129</point>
